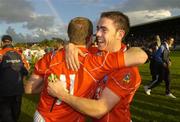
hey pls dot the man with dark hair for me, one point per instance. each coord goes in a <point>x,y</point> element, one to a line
<point>116,90</point>
<point>13,67</point>
<point>152,44</point>
<point>6,38</point>
<point>162,64</point>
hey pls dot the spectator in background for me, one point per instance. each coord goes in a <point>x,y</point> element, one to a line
<point>48,49</point>
<point>13,67</point>
<point>152,44</point>
<point>158,40</point>
<point>174,45</point>
<point>162,62</point>
<point>27,54</point>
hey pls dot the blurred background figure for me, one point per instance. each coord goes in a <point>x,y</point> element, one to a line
<point>162,63</point>
<point>153,43</point>
<point>158,40</point>
<point>13,67</point>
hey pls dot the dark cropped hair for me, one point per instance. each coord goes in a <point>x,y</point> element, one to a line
<point>6,37</point>
<point>120,20</point>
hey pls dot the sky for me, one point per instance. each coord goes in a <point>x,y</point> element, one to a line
<point>33,20</point>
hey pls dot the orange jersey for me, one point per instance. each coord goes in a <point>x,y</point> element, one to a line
<point>123,83</point>
<point>3,51</point>
<point>82,83</point>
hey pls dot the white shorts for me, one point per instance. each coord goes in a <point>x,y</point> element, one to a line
<point>38,117</point>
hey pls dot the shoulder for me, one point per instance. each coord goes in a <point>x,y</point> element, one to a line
<point>52,57</point>
<point>124,82</point>
<point>123,71</point>
<point>163,46</point>
<point>126,77</point>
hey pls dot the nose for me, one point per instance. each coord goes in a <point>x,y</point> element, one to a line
<point>98,33</point>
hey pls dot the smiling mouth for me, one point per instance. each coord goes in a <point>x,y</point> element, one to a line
<point>99,40</point>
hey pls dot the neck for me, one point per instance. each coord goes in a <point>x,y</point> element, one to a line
<point>8,46</point>
<point>115,47</point>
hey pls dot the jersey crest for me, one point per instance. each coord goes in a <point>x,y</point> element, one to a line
<point>126,78</point>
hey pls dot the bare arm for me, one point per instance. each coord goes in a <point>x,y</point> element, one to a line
<point>90,107</point>
<point>34,84</point>
<point>135,56</point>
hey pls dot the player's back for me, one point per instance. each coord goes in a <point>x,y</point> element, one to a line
<point>54,64</point>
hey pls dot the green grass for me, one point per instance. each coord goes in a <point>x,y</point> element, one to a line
<point>158,107</point>
<point>154,108</point>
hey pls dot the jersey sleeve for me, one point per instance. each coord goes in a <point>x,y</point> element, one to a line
<point>42,65</point>
<point>124,82</point>
<point>112,60</point>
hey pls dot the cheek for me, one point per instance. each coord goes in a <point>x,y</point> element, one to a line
<point>110,39</point>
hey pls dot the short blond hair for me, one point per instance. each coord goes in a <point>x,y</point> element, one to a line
<point>79,29</point>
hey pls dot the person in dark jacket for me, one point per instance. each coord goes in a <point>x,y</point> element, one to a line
<point>162,63</point>
<point>153,43</point>
<point>12,69</point>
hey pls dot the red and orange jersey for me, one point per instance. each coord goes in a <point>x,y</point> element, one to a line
<point>82,83</point>
<point>123,83</point>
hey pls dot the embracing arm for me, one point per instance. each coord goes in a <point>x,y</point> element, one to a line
<point>93,108</point>
<point>34,84</point>
<point>135,56</point>
<point>90,107</point>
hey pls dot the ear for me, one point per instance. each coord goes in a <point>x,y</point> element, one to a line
<point>121,34</point>
<point>89,41</point>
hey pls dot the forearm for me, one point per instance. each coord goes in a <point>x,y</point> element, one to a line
<point>34,84</point>
<point>135,56</point>
<point>90,107</point>
<point>30,89</point>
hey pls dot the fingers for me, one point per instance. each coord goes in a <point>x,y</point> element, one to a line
<point>71,63</point>
<point>49,91</point>
<point>71,59</point>
<point>52,78</point>
<point>67,62</point>
<point>81,53</point>
<point>57,89</point>
<point>74,62</point>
